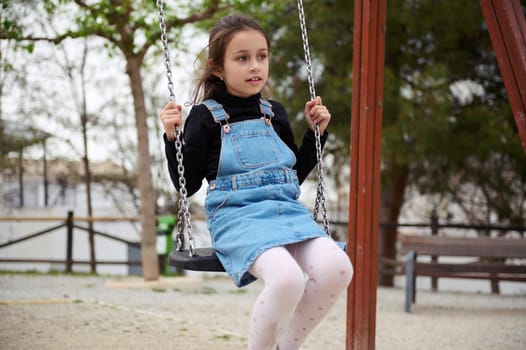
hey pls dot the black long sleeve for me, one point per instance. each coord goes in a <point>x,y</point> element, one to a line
<point>202,140</point>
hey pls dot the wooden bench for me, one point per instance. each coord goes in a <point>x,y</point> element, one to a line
<point>492,262</point>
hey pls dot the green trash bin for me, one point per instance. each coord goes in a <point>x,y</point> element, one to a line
<point>164,229</point>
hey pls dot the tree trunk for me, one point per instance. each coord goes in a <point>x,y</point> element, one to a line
<point>391,201</point>
<point>144,177</point>
<point>87,181</point>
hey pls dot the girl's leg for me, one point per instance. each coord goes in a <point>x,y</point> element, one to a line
<point>329,272</point>
<point>284,286</point>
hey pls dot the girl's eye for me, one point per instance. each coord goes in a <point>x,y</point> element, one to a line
<point>262,57</point>
<point>242,58</point>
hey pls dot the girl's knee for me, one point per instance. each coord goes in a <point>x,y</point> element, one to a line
<point>342,269</point>
<point>336,270</point>
<point>345,270</point>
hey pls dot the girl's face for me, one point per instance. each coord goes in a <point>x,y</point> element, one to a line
<point>246,64</point>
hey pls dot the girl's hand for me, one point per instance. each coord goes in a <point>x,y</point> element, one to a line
<point>317,113</point>
<point>171,119</point>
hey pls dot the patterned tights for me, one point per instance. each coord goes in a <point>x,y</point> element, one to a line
<point>301,283</point>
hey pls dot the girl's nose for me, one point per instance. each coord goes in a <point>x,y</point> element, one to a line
<point>254,67</point>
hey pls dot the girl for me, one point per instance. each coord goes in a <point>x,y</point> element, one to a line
<point>244,146</point>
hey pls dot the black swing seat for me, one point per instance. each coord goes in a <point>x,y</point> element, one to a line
<point>204,259</point>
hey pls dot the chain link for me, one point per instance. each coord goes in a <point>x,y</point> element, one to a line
<point>184,219</point>
<point>320,191</point>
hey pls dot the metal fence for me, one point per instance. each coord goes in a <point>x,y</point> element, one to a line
<point>71,223</point>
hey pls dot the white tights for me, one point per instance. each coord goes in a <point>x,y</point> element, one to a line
<point>302,282</point>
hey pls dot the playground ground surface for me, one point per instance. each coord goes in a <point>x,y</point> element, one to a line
<point>197,313</point>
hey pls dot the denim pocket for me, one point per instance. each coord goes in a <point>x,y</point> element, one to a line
<point>215,200</point>
<point>255,148</point>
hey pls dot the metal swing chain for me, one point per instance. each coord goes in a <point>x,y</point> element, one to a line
<point>184,220</point>
<point>320,192</point>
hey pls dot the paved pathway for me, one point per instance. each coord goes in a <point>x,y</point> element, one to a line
<point>74,312</point>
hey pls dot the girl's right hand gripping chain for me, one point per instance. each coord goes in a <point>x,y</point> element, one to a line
<point>317,113</point>
<point>171,117</point>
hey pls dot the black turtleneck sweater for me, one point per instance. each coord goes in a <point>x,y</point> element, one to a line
<point>202,140</point>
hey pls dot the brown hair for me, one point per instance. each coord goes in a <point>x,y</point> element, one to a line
<point>220,36</point>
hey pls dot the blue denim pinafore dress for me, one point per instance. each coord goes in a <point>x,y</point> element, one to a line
<point>253,204</point>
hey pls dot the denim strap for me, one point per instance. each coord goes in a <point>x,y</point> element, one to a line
<point>266,108</point>
<point>221,116</point>
<point>217,110</point>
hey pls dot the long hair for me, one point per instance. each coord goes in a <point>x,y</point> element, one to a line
<point>220,36</point>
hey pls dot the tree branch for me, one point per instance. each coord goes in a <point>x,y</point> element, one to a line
<point>83,5</point>
<point>207,13</point>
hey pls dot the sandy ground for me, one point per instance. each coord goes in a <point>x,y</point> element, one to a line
<point>187,313</point>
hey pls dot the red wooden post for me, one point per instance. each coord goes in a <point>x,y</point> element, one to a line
<point>507,30</point>
<point>366,135</point>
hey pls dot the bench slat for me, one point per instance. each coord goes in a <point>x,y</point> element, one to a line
<point>469,247</point>
<point>477,275</point>
<point>459,268</point>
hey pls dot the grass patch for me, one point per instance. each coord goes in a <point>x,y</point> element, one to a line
<point>205,291</point>
<point>224,337</point>
<point>238,291</point>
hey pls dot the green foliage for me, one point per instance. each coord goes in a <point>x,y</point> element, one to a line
<point>9,26</point>
<point>330,31</point>
<point>447,142</point>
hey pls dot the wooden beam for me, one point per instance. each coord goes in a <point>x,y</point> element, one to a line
<point>507,30</point>
<point>366,137</point>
